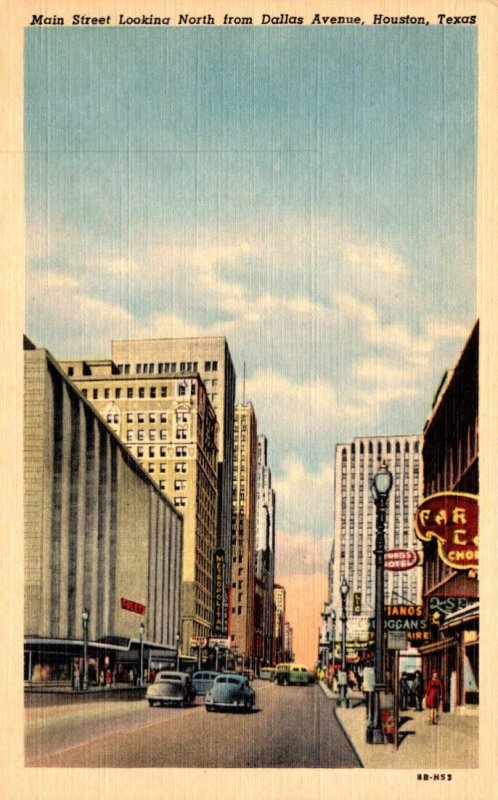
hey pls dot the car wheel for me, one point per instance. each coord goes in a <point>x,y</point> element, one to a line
<point>285,682</point>
<point>209,708</point>
<point>151,703</point>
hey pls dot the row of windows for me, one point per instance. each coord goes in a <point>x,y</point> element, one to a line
<point>153,392</point>
<point>167,366</point>
<point>379,448</point>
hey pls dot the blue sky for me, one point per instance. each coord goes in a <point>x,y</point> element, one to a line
<point>309,193</point>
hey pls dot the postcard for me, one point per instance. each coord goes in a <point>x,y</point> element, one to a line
<point>247,326</point>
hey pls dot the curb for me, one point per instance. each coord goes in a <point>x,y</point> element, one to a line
<point>327,692</point>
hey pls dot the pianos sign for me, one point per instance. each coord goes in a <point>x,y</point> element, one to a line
<point>451,518</point>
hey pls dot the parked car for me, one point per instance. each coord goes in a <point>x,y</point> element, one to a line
<point>202,681</point>
<point>230,690</point>
<point>171,687</point>
<point>267,673</point>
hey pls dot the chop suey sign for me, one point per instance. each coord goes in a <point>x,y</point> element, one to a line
<point>451,518</point>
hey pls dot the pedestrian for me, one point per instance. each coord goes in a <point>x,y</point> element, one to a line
<point>131,677</point>
<point>76,678</point>
<point>404,690</point>
<point>418,690</point>
<point>433,696</point>
<point>108,678</point>
<point>351,680</point>
<point>102,678</point>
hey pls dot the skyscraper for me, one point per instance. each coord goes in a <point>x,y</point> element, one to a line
<point>353,545</point>
<point>210,357</point>
<point>265,545</point>
<point>243,530</point>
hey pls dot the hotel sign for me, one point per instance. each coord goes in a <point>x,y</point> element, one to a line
<point>400,559</point>
<point>451,518</point>
<point>131,605</point>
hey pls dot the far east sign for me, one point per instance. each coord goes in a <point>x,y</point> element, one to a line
<point>451,518</point>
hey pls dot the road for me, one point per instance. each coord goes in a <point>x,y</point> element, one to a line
<point>290,727</point>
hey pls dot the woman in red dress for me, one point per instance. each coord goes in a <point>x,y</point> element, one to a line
<point>433,696</point>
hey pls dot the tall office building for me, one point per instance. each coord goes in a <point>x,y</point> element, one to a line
<point>243,530</point>
<point>279,622</point>
<point>265,545</point>
<point>210,357</point>
<point>168,424</point>
<point>353,545</point>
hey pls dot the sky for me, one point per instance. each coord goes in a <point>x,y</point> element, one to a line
<point>307,193</point>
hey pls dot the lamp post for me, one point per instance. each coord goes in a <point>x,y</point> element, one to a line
<point>324,648</point>
<point>85,616</point>
<point>381,486</point>
<point>216,651</point>
<point>344,619</point>
<point>141,629</point>
<point>334,619</point>
<point>177,652</point>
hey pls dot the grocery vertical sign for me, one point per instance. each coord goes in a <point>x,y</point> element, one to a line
<point>451,518</point>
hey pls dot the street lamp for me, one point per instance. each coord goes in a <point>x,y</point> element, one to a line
<point>344,619</point>
<point>177,652</point>
<point>216,651</point>
<point>381,486</point>
<point>334,618</point>
<point>141,629</point>
<point>85,616</point>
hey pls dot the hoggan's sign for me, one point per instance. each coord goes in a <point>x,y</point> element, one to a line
<point>452,519</point>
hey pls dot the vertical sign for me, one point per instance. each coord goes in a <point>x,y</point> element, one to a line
<point>357,604</point>
<point>219,591</point>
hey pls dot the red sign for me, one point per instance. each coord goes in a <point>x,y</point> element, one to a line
<point>451,518</point>
<point>130,605</point>
<point>400,559</point>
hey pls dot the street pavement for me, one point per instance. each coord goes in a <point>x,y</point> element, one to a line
<point>291,726</point>
<point>451,744</point>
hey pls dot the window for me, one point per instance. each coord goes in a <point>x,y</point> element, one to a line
<point>164,391</point>
<point>192,388</point>
<point>95,394</point>
<point>207,366</point>
<point>163,417</point>
<point>214,366</point>
<point>140,436</point>
<point>180,502</point>
<point>138,369</point>
<point>162,468</point>
<point>181,451</point>
<point>152,435</point>
<point>107,394</point>
<point>140,452</point>
<point>151,369</point>
<point>182,366</point>
<point>181,416</point>
<point>152,452</point>
<point>152,468</point>
<point>180,486</point>
<point>162,452</point>
<point>129,417</point>
<point>140,417</point>
<point>129,392</point>
<point>163,435</point>
<point>180,466</point>
<point>141,392</point>
<point>162,485</point>
<point>181,433</point>
<point>117,394</point>
<point>129,436</point>
<point>182,389</point>
<point>127,369</point>
<point>84,392</point>
<point>152,391</point>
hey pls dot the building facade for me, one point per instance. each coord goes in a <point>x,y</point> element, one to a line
<point>210,357</point>
<point>168,424</point>
<point>352,555</point>
<point>451,596</point>
<point>279,622</point>
<point>243,531</point>
<point>265,546</point>
<point>99,534</point>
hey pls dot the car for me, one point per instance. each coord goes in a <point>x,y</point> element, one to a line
<point>170,688</point>
<point>230,690</point>
<point>292,674</point>
<point>267,673</point>
<point>202,681</point>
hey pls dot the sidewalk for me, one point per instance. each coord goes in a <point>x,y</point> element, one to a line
<point>452,744</point>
